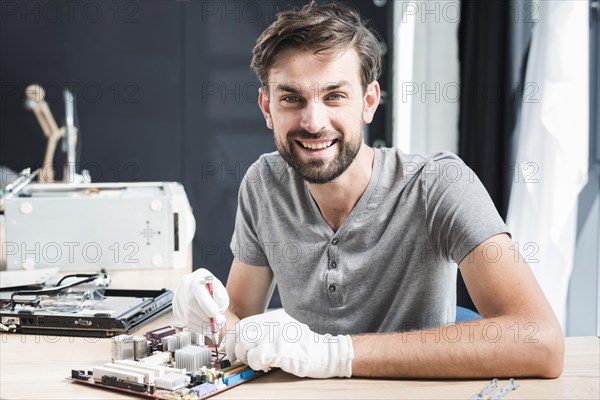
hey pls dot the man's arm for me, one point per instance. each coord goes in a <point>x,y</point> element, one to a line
<point>250,289</point>
<point>519,335</point>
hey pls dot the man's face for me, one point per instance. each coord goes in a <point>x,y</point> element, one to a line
<point>316,108</point>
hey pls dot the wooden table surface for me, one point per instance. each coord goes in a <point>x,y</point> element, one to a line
<point>35,366</point>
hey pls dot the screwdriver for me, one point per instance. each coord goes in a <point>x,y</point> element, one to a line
<point>214,329</point>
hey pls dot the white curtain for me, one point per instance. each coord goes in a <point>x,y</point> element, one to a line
<point>552,154</point>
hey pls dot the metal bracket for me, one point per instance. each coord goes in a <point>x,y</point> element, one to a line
<point>487,389</point>
<point>505,389</point>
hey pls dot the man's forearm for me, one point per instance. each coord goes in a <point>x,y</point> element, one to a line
<point>493,347</point>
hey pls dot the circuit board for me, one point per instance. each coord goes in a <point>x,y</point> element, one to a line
<point>166,363</point>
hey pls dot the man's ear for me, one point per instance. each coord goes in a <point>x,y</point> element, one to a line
<point>265,105</point>
<point>371,101</point>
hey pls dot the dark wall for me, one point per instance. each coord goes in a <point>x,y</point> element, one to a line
<point>164,93</point>
<point>493,53</point>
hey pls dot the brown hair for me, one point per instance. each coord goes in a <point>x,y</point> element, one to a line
<point>317,28</point>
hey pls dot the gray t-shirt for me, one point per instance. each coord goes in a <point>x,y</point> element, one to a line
<point>391,266</point>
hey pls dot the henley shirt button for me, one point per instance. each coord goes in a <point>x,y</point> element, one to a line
<point>332,288</point>
<point>335,241</point>
<point>333,264</point>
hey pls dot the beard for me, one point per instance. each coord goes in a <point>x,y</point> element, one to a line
<point>319,170</point>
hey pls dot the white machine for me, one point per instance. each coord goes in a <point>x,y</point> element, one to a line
<point>89,226</point>
<point>78,225</point>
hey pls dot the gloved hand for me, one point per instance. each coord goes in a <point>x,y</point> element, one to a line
<point>193,305</point>
<point>275,339</point>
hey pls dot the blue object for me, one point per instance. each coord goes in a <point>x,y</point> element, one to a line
<point>464,314</point>
<point>231,379</point>
<point>238,377</point>
<point>247,374</point>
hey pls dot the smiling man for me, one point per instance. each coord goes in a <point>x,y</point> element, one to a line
<point>363,243</point>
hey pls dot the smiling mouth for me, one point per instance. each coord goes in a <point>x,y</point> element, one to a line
<point>316,145</point>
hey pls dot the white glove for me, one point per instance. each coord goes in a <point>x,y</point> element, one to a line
<point>275,339</point>
<point>193,305</point>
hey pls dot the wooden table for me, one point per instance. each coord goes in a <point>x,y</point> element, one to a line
<point>33,366</point>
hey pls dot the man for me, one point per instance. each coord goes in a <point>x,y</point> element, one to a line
<point>363,243</point>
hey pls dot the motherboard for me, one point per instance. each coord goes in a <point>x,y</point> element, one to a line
<point>165,363</point>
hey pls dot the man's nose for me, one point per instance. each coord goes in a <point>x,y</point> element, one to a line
<point>314,117</point>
